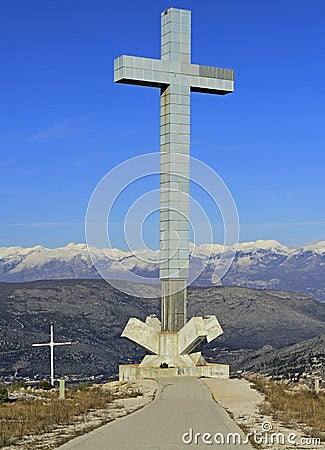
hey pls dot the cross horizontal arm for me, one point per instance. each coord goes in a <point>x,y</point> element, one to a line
<point>62,343</point>
<point>210,80</point>
<point>161,73</point>
<point>140,71</point>
<point>40,345</point>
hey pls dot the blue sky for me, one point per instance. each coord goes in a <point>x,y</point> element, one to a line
<point>64,124</point>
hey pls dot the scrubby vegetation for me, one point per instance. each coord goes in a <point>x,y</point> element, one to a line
<point>39,411</point>
<point>289,404</point>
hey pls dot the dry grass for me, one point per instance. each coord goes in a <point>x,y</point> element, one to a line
<point>303,406</point>
<point>43,413</point>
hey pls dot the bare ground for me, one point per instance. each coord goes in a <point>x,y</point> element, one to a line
<point>242,403</point>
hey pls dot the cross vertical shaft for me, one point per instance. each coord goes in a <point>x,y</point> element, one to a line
<point>51,344</point>
<point>175,171</point>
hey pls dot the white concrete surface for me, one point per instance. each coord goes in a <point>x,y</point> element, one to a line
<point>131,372</point>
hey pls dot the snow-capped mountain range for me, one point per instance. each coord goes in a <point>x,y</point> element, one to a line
<point>261,264</point>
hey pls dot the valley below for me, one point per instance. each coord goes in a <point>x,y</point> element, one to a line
<point>268,331</point>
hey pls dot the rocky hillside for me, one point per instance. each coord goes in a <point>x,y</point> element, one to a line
<point>303,357</point>
<point>92,314</point>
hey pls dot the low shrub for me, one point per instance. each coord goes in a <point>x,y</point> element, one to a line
<point>45,385</point>
<point>3,394</point>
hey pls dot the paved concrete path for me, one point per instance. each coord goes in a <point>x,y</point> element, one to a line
<point>181,405</point>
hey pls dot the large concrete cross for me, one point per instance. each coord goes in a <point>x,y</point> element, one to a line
<point>176,77</point>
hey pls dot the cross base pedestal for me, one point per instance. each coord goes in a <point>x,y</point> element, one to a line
<point>172,353</point>
<point>131,372</point>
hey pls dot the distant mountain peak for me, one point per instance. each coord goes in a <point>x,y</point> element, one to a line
<point>261,244</point>
<point>265,264</point>
<point>318,247</point>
